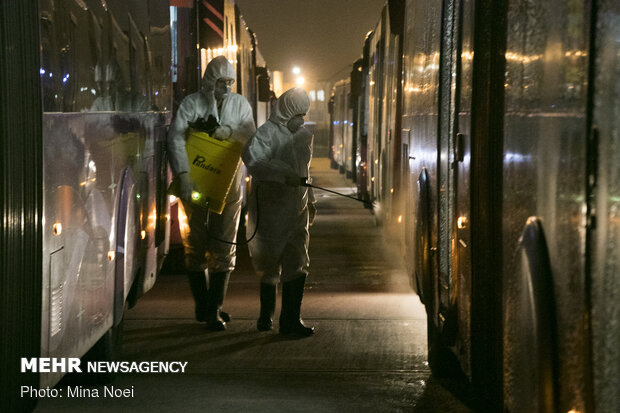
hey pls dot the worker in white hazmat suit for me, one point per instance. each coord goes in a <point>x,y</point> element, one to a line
<point>278,158</point>
<point>202,249</point>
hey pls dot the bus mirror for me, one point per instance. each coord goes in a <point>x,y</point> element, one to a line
<point>357,78</point>
<point>356,84</point>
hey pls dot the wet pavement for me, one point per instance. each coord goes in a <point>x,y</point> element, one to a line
<point>368,353</point>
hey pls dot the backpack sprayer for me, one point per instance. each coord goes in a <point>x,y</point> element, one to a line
<point>213,165</point>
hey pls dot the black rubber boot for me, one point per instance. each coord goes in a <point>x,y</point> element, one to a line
<point>290,320</point>
<point>267,307</point>
<point>225,316</point>
<point>198,285</point>
<point>218,283</point>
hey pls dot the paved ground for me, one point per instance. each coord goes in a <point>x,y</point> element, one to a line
<point>368,353</point>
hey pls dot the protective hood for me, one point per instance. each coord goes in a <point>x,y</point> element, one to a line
<point>292,102</point>
<point>217,68</point>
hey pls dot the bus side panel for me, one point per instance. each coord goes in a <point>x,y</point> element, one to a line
<point>605,271</point>
<point>85,157</point>
<point>544,167</point>
<point>420,108</point>
<point>79,210</point>
<point>375,76</point>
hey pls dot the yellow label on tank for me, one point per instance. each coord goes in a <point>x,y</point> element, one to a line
<point>213,165</point>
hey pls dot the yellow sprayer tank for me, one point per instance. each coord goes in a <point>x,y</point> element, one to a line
<point>213,165</point>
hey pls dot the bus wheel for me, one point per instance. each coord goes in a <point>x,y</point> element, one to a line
<point>422,239</point>
<point>440,331</point>
<point>108,348</point>
<point>441,360</point>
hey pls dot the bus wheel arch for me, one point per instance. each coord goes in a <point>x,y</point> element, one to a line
<point>127,244</point>
<point>530,334</point>
<point>109,346</point>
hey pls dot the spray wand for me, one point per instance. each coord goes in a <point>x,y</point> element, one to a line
<point>309,185</point>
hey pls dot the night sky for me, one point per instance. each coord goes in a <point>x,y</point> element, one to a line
<point>322,37</point>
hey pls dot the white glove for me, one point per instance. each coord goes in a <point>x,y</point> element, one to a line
<point>186,186</point>
<point>223,132</point>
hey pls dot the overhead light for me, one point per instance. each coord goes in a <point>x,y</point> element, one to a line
<point>300,80</point>
<point>296,70</point>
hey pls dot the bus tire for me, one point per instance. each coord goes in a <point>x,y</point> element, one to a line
<point>108,348</point>
<point>441,360</point>
<point>422,240</point>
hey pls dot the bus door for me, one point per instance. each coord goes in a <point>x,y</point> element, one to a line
<point>454,263</point>
<point>461,146</point>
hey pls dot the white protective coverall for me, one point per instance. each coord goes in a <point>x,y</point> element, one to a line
<point>201,250</point>
<point>273,154</point>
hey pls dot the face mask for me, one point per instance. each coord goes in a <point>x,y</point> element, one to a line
<point>295,123</point>
<point>221,91</point>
